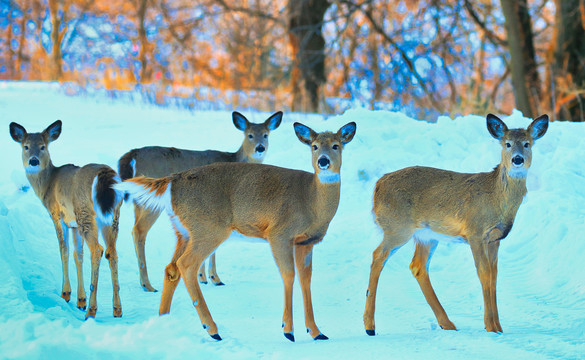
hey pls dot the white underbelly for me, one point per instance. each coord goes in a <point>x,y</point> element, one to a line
<point>237,237</point>
<point>426,235</point>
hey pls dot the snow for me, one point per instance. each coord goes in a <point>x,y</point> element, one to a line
<point>541,292</point>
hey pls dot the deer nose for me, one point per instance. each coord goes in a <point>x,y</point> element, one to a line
<point>517,160</point>
<point>260,148</point>
<point>323,162</point>
<point>33,162</point>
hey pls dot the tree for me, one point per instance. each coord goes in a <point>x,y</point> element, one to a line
<point>308,47</point>
<point>525,79</point>
<point>567,61</point>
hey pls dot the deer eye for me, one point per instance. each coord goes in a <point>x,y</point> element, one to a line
<point>265,136</point>
<point>43,147</point>
<point>335,147</point>
<point>508,145</point>
<point>526,145</point>
<point>25,147</point>
<point>251,136</point>
<point>315,147</point>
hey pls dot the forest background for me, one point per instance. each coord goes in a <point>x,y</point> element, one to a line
<point>422,57</point>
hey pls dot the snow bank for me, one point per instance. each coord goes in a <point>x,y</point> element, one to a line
<point>541,292</point>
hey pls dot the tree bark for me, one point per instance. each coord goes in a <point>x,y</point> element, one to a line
<point>143,40</point>
<point>308,45</point>
<point>9,53</point>
<point>56,57</point>
<point>525,80</point>
<point>18,75</point>
<point>568,56</point>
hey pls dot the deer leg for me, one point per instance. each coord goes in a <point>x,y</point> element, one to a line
<point>201,273</point>
<point>144,219</point>
<point>89,233</point>
<point>213,271</point>
<point>486,273</point>
<point>199,246</point>
<point>172,276</point>
<point>419,267</point>
<point>389,245</point>
<point>78,254</point>
<point>63,238</point>
<point>492,254</point>
<point>304,262</point>
<point>282,251</point>
<point>110,234</point>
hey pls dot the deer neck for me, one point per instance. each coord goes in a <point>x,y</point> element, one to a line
<point>240,155</point>
<point>326,197</point>
<point>509,190</point>
<point>41,180</point>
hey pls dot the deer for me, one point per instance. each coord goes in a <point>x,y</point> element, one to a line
<point>291,209</point>
<point>432,205</point>
<point>80,199</point>
<point>156,162</point>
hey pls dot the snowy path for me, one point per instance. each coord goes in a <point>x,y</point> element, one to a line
<point>541,286</point>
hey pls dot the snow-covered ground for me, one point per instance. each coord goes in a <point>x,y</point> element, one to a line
<point>541,286</point>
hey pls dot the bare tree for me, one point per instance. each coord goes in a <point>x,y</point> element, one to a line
<point>525,79</point>
<point>308,45</point>
<point>568,61</point>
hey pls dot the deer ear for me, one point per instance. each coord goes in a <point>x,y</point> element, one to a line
<point>304,133</point>
<point>496,127</point>
<point>274,120</point>
<point>347,132</point>
<point>18,132</point>
<point>52,132</point>
<point>240,121</point>
<point>538,127</point>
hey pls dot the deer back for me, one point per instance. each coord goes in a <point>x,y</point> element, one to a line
<point>254,199</point>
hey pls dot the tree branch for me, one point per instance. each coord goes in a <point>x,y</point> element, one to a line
<point>409,63</point>
<point>493,38</point>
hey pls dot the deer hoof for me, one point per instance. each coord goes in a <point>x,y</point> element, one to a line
<point>91,313</point>
<point>216,337</point>
<point>320,337</point>
<point>117,312</point>
<point>290,336</point>
<point>370,332</point>
<point>81,304</point>
<point>66,295</point>
<point>448,326</point>
<point>148,288</point>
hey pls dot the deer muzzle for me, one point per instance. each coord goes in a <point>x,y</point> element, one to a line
<point>34,161</point>
<point>324,162</point>
<point>518,160</point>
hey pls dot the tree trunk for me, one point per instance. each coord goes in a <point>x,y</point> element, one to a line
<point>9,53</point>
<point>308,45</point>
<point>56,58</point>
<point>373,48</point>
<point>143,40</point>
<point>21,44</point>
<point>568,55</point>
<point>525,80</point>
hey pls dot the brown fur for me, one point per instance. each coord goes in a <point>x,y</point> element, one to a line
<point>124,168</point>
<point>283,206</point>
<point>157,162</point>
<point>66,192</point>
<point>479,208</point>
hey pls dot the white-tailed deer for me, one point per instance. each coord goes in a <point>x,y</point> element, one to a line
<point>291,209</point>
<point>479,209</point>
<point>80,199</point>
<point>156,162</point>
